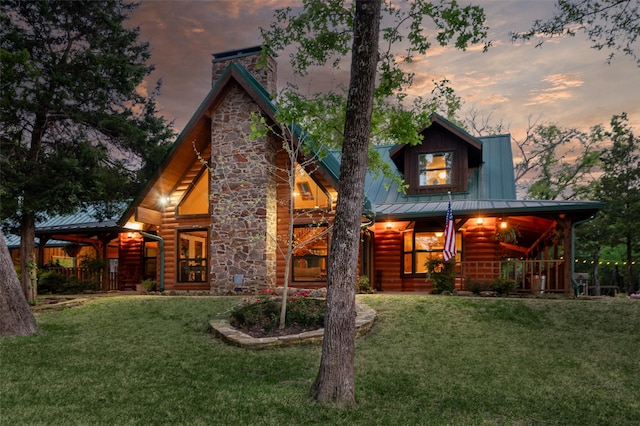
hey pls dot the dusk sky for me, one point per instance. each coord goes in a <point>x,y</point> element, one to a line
<point>564,81</point>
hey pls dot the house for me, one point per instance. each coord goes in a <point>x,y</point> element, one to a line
<point>215,216</point>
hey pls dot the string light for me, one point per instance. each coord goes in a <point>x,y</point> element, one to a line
<point>604,262</point>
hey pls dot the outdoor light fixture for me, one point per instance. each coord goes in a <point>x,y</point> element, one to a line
<point>164,200</point>
<point>439,234</point>
<point>389,225</point>
<point>503,225</point>
<point>479,221</point>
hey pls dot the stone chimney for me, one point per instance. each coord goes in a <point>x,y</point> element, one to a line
<point>265,74</point>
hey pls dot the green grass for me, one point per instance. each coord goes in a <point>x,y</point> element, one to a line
<point>428,360</point>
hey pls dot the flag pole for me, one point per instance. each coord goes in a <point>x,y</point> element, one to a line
<point>449,249</point>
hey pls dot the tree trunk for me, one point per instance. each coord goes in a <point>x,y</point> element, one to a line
<point>629,262</point>
<point>16,318</point>
<point>335,381</point>
<point>27,257</point>
<point>596,279</point>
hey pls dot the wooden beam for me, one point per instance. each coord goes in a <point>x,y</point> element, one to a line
<point>151,217</point>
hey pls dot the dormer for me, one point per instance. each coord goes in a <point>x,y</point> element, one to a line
<point>442,162</point>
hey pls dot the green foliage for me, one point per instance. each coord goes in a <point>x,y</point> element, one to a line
<point>442,274</point>
<point>74,286</point>
<point>476,286</point>
<point>562,160</point>
<point>363,285</point>
<point>305,311</point>
<point>503,286</point>
<point>619,188</point>
<point>608,24</point>
<point>322,31</point>
<point>70,109</point>
<point>51,282</point>
<point>148,285</point>
<point>264,312</point>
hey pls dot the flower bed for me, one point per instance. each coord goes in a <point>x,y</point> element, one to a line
<point>259,316</point>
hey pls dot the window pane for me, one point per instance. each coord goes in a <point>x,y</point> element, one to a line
<point>428,241</point>
<point>307,194</point>
<point>192,262</point>
<point>311,245</point>
<point>196,201</point>
<point>421,260</point>
<point>435,169</point>
<point>408,240</point>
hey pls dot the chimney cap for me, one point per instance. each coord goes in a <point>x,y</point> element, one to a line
<point>236,53</point>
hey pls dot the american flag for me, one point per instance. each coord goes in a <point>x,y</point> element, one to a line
<point>449,236</point>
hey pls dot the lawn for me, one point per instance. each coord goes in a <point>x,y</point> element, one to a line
<point>429,360</point>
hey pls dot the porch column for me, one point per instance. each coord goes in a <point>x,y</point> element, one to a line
<point>565,222</point>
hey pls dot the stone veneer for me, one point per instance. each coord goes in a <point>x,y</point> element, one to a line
<point>243,191</point>
<point>265,74</point>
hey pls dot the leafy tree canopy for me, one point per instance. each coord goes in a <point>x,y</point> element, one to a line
<point>75,125</point>
<point>321,32</point>
<point>613,25</point>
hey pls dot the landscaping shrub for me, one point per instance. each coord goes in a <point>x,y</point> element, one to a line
<point>51,282</point>
<point>442,274</point>
<point>363,285</point>
<point>305,311</point>
<point>75,286</point>
<point>264,312</point>
<point>476,286</point>
<point>503,286</point>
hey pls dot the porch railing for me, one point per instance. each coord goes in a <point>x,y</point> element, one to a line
<point>531,275</point>
<point>85,274</point>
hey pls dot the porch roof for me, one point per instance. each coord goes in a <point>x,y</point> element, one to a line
<point>465,208</point>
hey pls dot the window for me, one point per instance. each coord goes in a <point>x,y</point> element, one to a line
<point>311,245</point>
<point>149,259</point>
<point>435,168</point>
<point>308,194</point>
<point>419,247</point>
<point>192,256</point>
<point>196,200</point>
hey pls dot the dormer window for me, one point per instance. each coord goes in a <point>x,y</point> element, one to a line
<point>435,169</point>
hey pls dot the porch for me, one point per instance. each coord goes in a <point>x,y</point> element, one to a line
<point>532,276</point>
<point>97,279</point>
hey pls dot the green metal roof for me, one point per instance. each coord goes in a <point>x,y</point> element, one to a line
<point>491,191</point>
<point>414,210</point>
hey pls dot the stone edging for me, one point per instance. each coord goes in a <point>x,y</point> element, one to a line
<point>365,317</point>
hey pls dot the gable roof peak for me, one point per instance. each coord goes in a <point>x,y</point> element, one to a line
<point>236,53</point>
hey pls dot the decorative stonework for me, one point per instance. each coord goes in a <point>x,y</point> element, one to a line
<point>242,197</point>
<point>265,74</point>
<point>365,318</point>
<point>243,186</point>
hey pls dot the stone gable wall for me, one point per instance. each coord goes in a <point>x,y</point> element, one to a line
<point>243,203</point>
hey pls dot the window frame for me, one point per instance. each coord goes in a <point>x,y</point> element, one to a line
<point>321,259</point>
<point>412,253</point>
<point>200,264</point>
<point>449,169</point>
